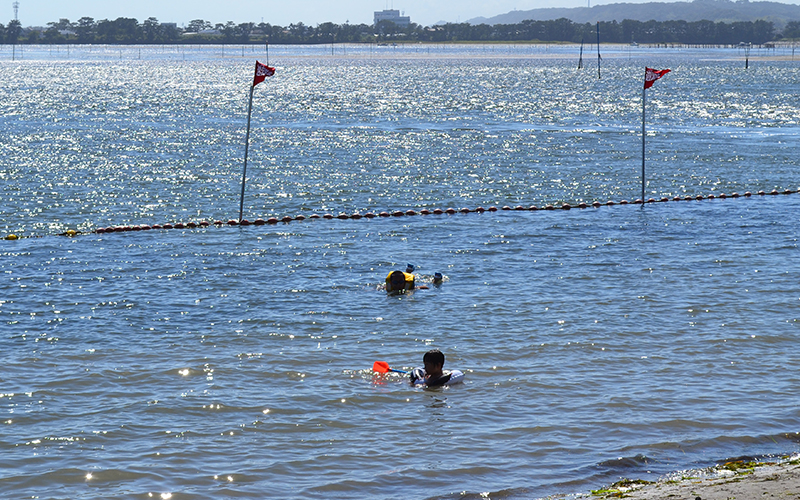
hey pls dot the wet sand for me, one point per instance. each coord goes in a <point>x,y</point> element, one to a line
<point>732,481</point>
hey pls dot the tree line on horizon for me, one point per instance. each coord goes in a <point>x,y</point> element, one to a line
<point>129,31</point>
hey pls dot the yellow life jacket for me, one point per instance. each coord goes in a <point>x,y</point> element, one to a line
<point>398,280</point>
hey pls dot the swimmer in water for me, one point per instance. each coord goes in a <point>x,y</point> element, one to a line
<point>400,282</point>
<point>433,374</point>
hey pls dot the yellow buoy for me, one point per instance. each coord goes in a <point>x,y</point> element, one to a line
<point>71,232</point>
<point>12,237</point>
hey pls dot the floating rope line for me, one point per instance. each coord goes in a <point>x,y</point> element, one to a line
<point>400,213</point>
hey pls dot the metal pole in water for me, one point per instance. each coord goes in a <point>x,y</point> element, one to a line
<point>246,147</point>
<point>644,96</point>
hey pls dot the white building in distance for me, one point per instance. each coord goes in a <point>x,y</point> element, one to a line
<point>393,16</point>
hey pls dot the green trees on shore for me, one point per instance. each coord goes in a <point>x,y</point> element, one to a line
<point>129,31</point>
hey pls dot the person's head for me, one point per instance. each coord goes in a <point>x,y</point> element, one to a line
<point>437,278</point>
<point>396,281</point>
<point>434,361</point>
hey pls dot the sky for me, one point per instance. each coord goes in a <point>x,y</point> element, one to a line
<point>280,12</point>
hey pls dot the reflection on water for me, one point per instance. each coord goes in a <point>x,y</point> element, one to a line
<point>598,342</point>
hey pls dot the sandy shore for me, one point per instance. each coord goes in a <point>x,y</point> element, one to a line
<point>732,481</point>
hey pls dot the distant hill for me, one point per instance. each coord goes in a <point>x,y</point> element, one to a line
<point>711,10</point>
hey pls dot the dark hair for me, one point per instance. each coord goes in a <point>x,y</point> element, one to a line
<point>397,281</point>
<point>434,356</point>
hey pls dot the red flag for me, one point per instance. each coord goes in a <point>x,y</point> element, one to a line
<point>263,71</point>
<point>651,75</point>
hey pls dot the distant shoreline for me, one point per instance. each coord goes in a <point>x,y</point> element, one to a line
<point>669,45</point>
<point>129,30</point>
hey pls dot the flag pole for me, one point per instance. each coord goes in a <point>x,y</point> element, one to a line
<point>644,96</point>
<point>246,147</point>
<point>262,72</point>
<point>650,76</point>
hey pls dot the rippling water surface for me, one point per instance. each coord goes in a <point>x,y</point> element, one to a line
<point>225,362</point>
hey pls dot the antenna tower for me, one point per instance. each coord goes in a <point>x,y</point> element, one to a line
<point>16,10</point>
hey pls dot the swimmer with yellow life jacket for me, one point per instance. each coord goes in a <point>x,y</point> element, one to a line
<point>400,281</point>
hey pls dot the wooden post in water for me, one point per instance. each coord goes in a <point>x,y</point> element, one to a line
<point>598,50</point>
<point>747,56</point>
<point>580,58</point>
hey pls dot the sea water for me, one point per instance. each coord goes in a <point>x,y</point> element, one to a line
<point>235,362</point>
